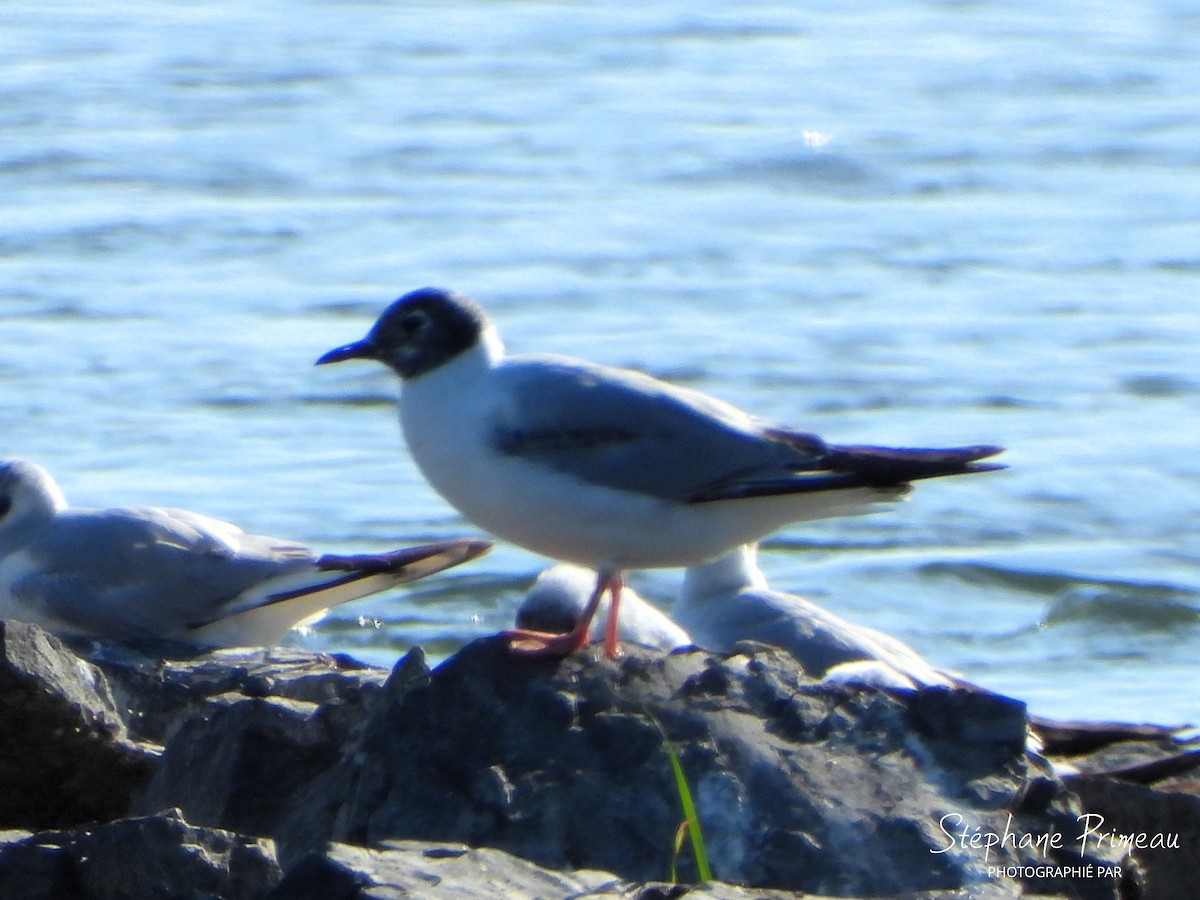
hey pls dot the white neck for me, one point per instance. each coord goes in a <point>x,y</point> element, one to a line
<point>491,345</point>
<point>725,575</point>
<point>36,499</point>
<point>50,499</point>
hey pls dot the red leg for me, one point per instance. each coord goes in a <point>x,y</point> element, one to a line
<point>615,584</point>
<point>543,643</point>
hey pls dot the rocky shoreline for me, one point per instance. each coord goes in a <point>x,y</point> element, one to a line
<point>284,775</point>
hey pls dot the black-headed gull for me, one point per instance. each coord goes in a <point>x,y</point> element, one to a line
<point>728,600</point>
<point>145,572</point>
<point>608,468</point>
<point>559,596</point>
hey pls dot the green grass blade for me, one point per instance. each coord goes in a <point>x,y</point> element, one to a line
<point>691,820</point>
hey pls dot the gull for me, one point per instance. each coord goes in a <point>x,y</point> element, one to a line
<point>143,572</point>
<point>559,596</point>
<point>608,468</point>
<point>728,600</point>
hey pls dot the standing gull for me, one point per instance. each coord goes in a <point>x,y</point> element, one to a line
<point>145,572</point>
<point>608,468</point>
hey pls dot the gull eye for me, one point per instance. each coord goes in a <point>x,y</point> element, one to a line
<point>414,323</point>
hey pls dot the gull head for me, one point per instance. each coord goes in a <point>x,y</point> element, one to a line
<point>557,599</point>
<point>418,333</point>
<point>28,495</point>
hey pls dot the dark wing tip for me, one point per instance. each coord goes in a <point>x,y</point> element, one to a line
<point>978,451</point>
<point>896,465</point>
<point>425,559</point>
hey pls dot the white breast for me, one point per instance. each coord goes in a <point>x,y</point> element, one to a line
<point>447,416</point>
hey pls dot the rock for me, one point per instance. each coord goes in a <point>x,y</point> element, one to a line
<point>417,869</point>
<point>155,856</point>
<point>311,775</point>
<point>420,869</point>
<point>156,690</point>
<point>1162,828</point>
<point>798,785</point>
<point>1078,739</point>
<point>245,731</point>
<point>308,821</point>
<point>65,754</point>
<point>259,757</point>
<point>238,766</point>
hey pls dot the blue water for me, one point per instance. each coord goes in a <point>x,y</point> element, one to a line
<point>901,223</point>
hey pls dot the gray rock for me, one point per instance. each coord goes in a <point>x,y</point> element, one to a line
<point>800,786</point>
<point>157,691</point>
<point>554,770</point>
<point>417,869</point>
<point>245,731</point>
<point>1162,829</point>
<point>155,856</point>
<point>65,754</point>
<point>260,757</point>
<point>238,767</point>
